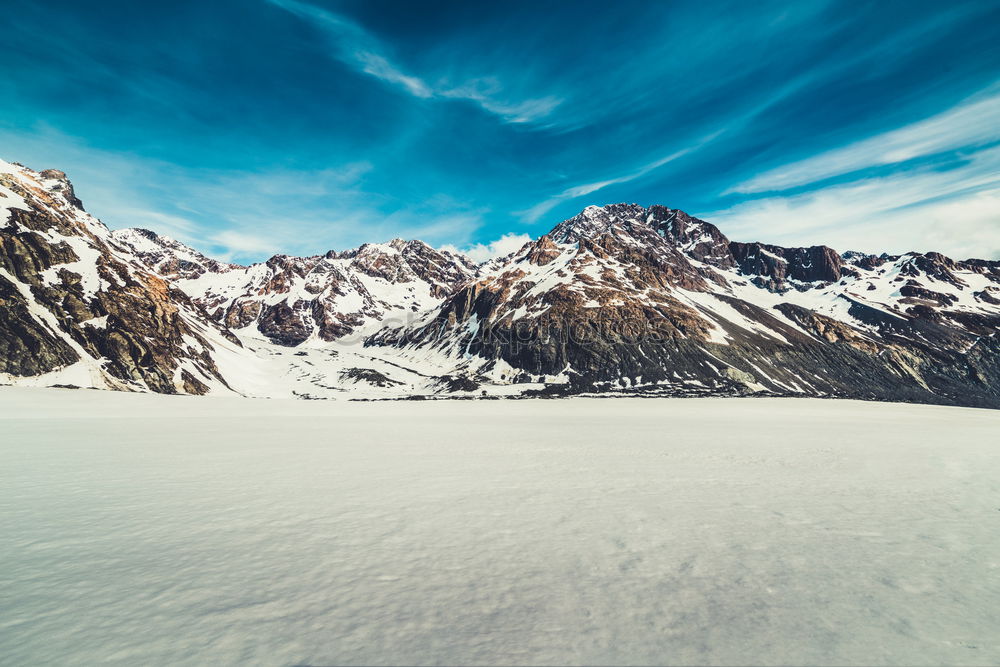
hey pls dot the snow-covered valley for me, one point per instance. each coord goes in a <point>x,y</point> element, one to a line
<point>151,529</point>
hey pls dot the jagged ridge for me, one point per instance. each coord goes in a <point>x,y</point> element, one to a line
<point>620,298</point>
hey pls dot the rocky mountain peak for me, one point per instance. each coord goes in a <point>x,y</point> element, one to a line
<point>698,239</point>
<point>864,260</point>
<point>633,224</point>
<point>167,257</point>
<point>57,181</point>
<point>596,221</point>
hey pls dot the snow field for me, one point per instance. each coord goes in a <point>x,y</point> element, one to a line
<point>158,530</point>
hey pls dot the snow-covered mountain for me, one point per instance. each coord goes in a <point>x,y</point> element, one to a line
<point>629,298</point>
<point>619,299</point>
<point>77,308</point>
<point>166,257</point>
<point>291,300</point>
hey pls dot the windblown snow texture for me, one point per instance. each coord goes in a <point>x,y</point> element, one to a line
<point>141,529</point>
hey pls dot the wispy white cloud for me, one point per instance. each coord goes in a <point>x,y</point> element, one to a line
<point>380,67</point>
<point>951,207</point>
<point>174,226</point>
<point>481,252</point>
<point>956,211</point>
<point>240,244</point>
<point>487,93</point>
<point>538,210</point>
<point>974,122</point>
<point>353,45</point>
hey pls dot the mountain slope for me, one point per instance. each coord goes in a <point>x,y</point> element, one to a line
<point>76,309</point>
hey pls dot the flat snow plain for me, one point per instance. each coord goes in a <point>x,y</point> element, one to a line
<point>153,530</point>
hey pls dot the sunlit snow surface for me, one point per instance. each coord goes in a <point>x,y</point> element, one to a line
<point>149,530</point>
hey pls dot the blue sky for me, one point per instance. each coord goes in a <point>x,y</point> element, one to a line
<point>249,127</point>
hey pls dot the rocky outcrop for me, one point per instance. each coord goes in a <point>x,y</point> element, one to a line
<point>286,324</point>
<point>369,376</point>
<point>57,182</point>
<point>775,265</point>
<point>27,346</point>
<point>166,257</point>
<point>698,239</point>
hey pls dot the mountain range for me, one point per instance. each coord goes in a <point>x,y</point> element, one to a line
<point>618,300</point>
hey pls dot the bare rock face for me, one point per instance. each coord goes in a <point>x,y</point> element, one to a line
<point>27,346</point>
<point>864,261</point>
<point>56,181</point>
<point>776,265</point>
<point>543,251</point>
<point>286,324</point>
<point>698,239</point>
